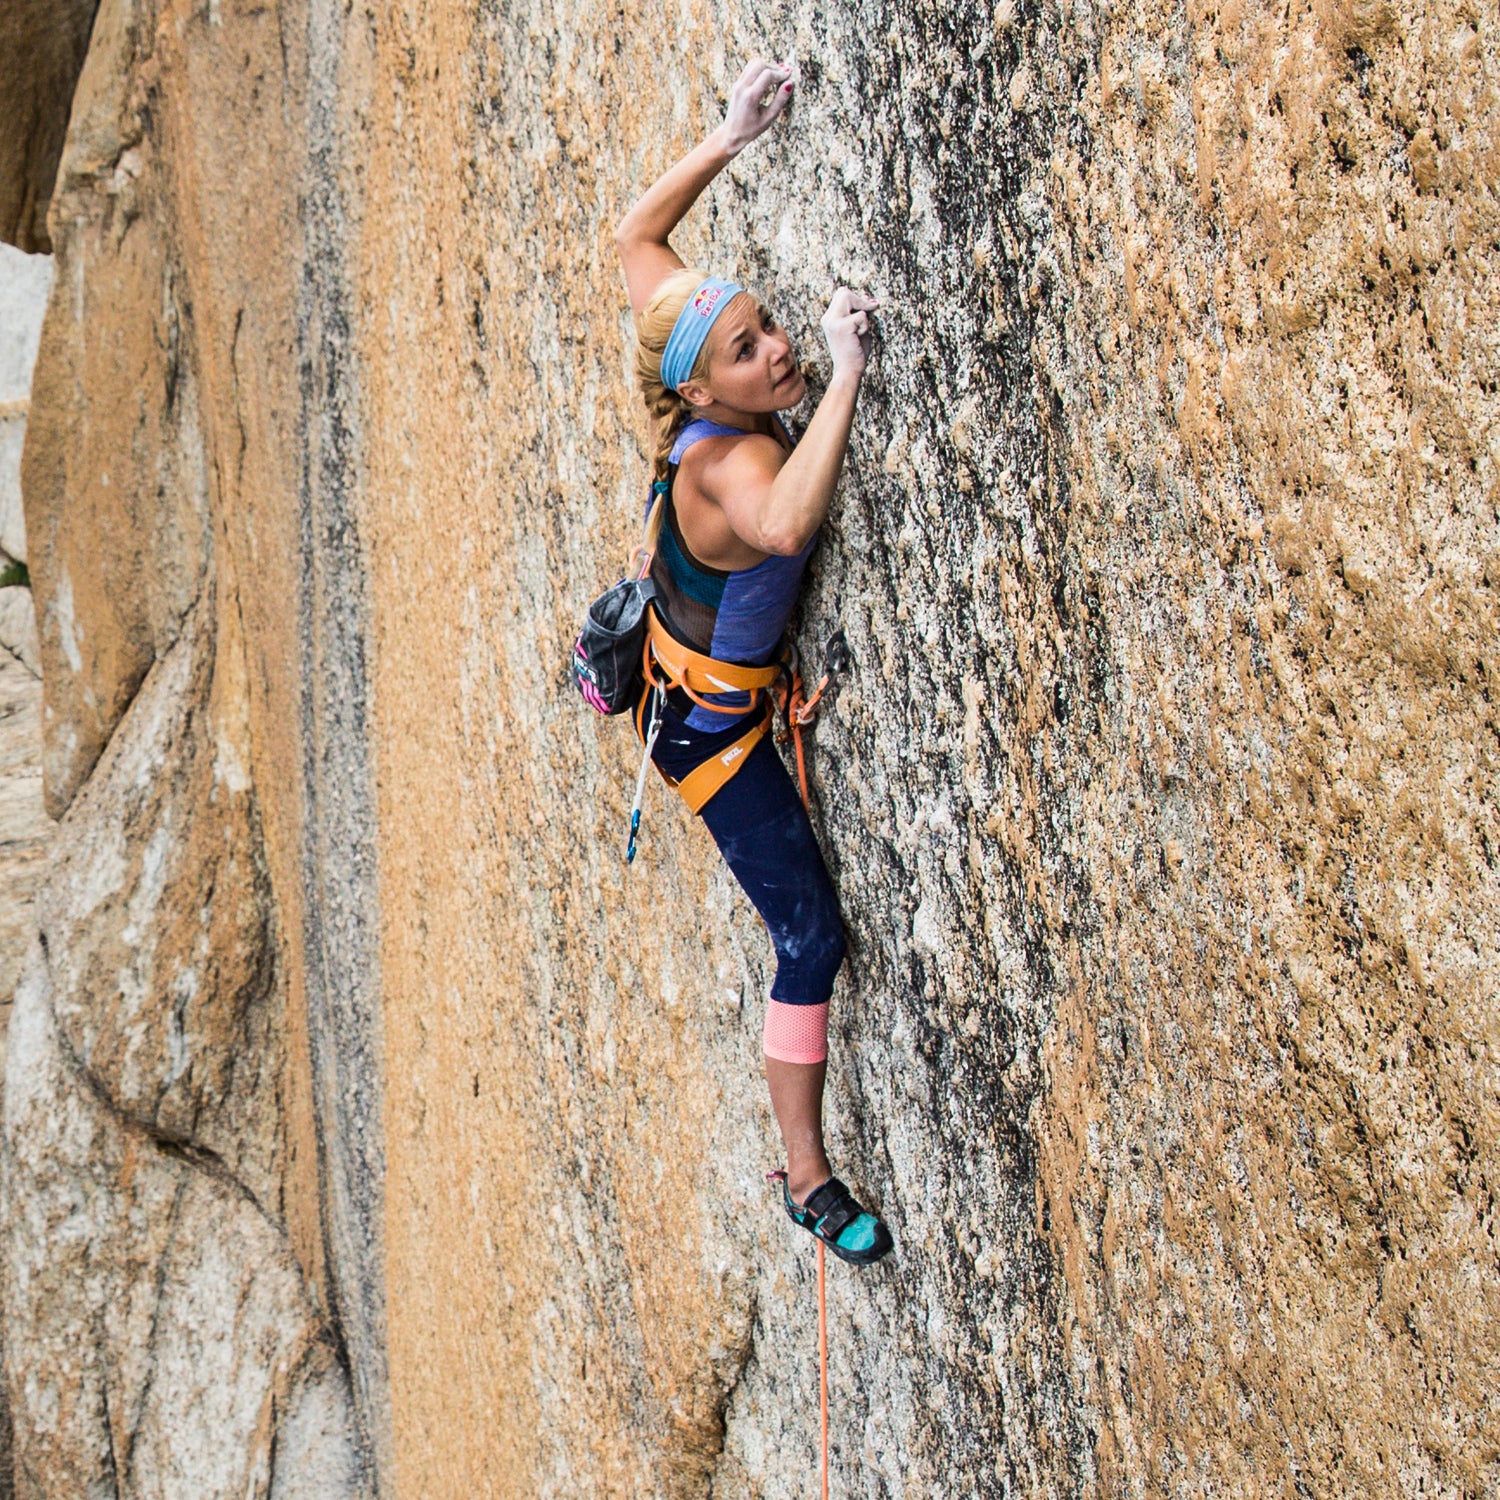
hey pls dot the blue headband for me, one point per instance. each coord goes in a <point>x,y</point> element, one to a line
<point>691,328</point>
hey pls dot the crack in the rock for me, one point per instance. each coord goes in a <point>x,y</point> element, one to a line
<point>322,1329</point>
<point>20,661</point>
<point>202,1158</point>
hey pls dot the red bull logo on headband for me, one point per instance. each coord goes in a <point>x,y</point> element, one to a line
<point>706,299</point>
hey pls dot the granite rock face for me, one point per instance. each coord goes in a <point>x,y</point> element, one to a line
<point>415,1142</point>
<point>24,826</point>
<point>172,1325</point>
<point>159,1332</point>
<point>22,851</point>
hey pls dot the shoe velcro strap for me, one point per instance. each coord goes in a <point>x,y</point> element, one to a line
<point>821,1199</point>
<point>834,1208</point>
<point>839,1217</point>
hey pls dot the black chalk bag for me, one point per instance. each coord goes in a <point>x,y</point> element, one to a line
<point>606,665</point>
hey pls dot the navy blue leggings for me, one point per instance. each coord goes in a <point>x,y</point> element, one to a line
<point>762,830</point>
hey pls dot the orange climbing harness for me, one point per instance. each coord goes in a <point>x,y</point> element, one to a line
<point>699,675</point>
<point>669,664</point>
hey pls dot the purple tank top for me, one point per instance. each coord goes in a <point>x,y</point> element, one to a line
<point>738,615</point>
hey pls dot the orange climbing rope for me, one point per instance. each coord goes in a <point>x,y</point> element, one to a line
<point>797,716</point>
<point>800,712</point>
<point>823,1363</point>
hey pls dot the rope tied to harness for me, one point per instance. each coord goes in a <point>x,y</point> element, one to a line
<point>667,664</point>
<point>800,711</point>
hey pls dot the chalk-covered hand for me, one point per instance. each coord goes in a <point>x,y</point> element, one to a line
<point>846,326</point>
<point>747,117</point>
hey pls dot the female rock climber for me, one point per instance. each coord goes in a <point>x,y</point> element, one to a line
<point>741,509</point>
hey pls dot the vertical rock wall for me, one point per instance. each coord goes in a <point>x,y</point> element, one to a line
<point>1160,797</point>
<point>172,1325</point>
<point>1270,1137</point>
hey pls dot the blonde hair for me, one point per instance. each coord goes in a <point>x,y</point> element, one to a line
<point>670,413</point>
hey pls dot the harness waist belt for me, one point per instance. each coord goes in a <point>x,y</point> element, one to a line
<point>697,674</point>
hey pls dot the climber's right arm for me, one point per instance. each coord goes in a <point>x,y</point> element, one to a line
<point>642,235</point>
<point>776,502</point>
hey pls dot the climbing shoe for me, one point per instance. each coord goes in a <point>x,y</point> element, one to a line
<point>833,1215</point>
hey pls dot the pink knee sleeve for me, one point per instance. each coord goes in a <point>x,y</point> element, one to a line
<point>796,1033</point>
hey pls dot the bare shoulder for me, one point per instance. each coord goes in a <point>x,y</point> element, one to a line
<point>734,465</point>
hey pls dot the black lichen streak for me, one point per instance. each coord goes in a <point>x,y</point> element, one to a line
<point>340,895</point>
<point>989,496</point>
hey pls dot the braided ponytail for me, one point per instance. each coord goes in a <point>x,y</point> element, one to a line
<point>669,412</point>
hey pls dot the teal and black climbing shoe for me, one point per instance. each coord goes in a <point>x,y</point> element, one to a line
<point>832,1214</point>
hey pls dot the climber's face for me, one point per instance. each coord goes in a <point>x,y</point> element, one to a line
<point>751,367</point>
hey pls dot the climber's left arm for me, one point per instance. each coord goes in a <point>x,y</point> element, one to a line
<point>642,235</point>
